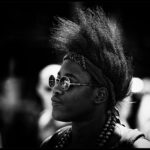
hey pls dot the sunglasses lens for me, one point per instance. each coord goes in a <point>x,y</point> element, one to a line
<point>64,83</point>
<point>51,81</point>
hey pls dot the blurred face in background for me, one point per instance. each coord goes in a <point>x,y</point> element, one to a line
<point>43,89</point>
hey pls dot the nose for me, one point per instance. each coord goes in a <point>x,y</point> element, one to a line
<point>57,91</point>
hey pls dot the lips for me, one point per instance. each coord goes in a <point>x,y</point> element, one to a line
<point>56,101</point>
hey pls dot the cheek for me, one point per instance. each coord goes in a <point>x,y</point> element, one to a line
<point>77,103</point>
<point>79,96</point>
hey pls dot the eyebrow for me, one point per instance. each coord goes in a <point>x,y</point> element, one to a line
<point>69,75</point>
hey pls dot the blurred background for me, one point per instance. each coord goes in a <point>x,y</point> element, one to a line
<point>25,51</point>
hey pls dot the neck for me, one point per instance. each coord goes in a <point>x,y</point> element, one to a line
<point>86,132</point>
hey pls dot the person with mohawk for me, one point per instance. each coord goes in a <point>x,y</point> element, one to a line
<point>94,76</point>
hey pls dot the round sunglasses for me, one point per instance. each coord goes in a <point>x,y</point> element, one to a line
<point>65,83</point>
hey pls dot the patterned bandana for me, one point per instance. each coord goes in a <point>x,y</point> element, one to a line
<point>93,70</point>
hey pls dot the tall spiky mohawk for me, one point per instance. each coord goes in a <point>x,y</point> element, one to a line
<point>97,38</point>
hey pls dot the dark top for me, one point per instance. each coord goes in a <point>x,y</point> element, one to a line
<point>119,139</point>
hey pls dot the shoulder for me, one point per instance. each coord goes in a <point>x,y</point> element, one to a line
<point>131,137</point>
<point>52,140</point>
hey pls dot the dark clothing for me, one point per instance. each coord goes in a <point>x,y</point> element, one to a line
<point>116,140</point>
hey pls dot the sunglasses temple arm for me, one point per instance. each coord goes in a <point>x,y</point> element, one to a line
<point>80,84</point>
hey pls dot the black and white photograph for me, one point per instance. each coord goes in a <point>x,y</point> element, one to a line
<point>74,74</point>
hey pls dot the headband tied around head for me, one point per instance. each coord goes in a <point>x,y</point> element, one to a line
<point>94,71</point>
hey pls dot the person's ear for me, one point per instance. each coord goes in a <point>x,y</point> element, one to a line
<point>101,95</point>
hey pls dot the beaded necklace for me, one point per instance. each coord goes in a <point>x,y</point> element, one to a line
<point>102,139</point>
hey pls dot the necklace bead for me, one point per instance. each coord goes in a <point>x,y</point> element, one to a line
<point>102,138</point>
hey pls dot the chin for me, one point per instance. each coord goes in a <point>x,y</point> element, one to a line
<point>59,116</point>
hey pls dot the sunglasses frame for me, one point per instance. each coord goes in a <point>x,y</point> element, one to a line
<point>69,82</point>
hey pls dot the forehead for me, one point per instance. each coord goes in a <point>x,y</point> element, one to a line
<point>70,67</point>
